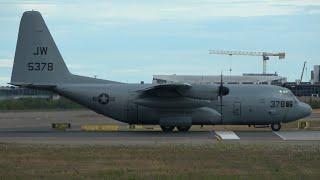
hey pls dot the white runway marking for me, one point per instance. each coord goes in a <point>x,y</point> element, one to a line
<point>227,135</point>
<point>299,135</point>
<point>282,137</point>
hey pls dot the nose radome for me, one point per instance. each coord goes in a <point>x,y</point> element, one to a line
<point>302,110</point>
<point>306,109</point>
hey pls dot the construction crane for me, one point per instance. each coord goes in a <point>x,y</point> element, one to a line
<point>304,66</point>
<point>265,55</point>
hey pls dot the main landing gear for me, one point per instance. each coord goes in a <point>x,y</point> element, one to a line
<point>170,128</point>
<point>183,128</point>
<point>167,128</point>
<point>275,127</point>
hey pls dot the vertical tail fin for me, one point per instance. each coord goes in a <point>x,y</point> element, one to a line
<point>37,59</point>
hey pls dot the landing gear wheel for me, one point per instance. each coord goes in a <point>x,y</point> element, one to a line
<point>275,127</point>
<point>167,128</point>
<point>183,128</point>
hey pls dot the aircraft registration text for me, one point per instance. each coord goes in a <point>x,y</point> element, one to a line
<point>40,66</point>
<point>281,104</point>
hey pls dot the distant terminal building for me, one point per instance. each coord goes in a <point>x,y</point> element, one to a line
<point>304,89</point>
<point>11,92</point>
<point>307,88</point>
<point>315,74</point>
<point>215,79</point>
<point>298,89</point>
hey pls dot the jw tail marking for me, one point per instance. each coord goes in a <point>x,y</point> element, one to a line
<point>37,61</point>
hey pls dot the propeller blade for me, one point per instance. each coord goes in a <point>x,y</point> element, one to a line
<point>220,94</point>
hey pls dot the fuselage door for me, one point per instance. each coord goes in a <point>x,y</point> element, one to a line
<point>236,109</point>
<point>277,110</point>
<point>253,111</point>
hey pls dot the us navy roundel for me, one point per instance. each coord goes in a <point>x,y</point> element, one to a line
<point>103,98</point>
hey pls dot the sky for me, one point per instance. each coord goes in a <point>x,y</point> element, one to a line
<point>129,41</point>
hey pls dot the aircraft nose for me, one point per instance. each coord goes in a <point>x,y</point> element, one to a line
<point>302,110</point>
<point>305,109</point>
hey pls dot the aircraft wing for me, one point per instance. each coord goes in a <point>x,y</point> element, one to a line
<point>181,90</point>
<point>167,90</point>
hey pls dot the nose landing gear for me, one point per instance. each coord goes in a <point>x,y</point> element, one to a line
<point>276,127</point>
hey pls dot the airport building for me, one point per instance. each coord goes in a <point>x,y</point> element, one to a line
<point>311,88</point>
<point>315,74</point>
<point>215,79</point>
<point>298,89</point>
<point>304,89</point>
<point>10,92</point>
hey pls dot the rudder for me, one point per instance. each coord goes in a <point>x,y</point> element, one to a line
<point>37,59</point>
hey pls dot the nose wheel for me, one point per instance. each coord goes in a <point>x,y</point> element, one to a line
<point>275,127</point>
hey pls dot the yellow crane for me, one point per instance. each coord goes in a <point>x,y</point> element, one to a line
<point>265,55</point>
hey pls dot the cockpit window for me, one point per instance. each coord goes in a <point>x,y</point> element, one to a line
<point>286,92</point>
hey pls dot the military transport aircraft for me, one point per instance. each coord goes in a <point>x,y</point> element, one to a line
<point>38,64</point>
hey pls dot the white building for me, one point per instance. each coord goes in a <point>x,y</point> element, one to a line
<point>215,79</point>
<point>315,74</point>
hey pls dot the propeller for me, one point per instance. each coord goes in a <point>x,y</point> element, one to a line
<point>222,92</point>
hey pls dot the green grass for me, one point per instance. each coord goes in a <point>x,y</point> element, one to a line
<point>38,104</point>
<point>223,161</point>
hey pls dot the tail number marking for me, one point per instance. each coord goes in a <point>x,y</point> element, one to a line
<point>41,51</point>
<point>40,66</point>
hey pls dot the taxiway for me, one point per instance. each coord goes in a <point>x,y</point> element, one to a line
<point>35,127</point>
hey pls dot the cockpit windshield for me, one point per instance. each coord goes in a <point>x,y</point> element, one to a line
<point>288,93</point>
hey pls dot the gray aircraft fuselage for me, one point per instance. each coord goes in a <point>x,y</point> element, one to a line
<point>245,104</point>
<point>39,64</point>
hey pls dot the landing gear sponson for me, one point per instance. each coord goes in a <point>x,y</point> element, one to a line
<point>183,128</point>
<point>167,128</point>
<point>274,127</point>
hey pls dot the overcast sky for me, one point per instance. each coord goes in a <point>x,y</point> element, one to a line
<point>129,41</point>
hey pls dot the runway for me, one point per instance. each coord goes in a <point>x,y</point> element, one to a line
<point>155,137</point>
<point>35,128</point>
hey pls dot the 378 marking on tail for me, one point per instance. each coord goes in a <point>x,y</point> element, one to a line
<point>40,66</point>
